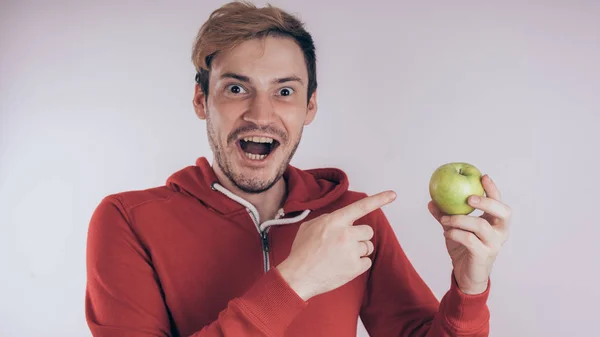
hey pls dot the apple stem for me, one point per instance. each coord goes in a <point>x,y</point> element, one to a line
<point>460,171</point>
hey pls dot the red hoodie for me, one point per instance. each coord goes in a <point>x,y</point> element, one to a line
<point>189,259</point>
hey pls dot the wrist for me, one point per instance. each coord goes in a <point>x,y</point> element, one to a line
<point>463,310</point>
<point>294,281</point>
<point>473,289</point>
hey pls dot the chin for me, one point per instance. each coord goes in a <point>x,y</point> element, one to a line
<point>253,174</point>
<point>254,163</point>
<point>253,181</point>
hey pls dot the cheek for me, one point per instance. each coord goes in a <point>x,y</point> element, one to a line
<point>225,117</point>
<point>293,118</point>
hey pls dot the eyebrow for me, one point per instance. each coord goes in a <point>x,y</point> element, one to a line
<point>246,79</point>
<point>288,79</point>
<point>238,77</point>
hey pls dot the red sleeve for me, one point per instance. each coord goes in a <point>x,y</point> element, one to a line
<point>398,302</point>
<point>123,294</point>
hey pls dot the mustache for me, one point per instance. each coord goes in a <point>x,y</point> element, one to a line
<point>266,130</point>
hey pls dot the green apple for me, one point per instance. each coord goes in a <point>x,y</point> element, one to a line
<point>452,183</point>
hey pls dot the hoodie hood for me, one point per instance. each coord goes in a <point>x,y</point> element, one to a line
<point>307,189</point>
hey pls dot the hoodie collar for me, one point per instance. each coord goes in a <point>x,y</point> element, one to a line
<point>306,189</point>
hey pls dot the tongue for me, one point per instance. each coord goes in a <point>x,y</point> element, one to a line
<point>256,148</point>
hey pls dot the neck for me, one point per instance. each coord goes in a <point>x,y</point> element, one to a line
<point>267,203</point>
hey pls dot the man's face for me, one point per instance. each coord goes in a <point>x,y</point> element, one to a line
<point>256,110</point>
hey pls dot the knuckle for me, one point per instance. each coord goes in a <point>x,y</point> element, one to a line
<point>482,225</point>
<point>453,221</point>
<point>365,264</point>
<point>343,237</point>
<point>448,232</point>
<point>471,239</point>
<point>364,207</point>
<point>458,221</point>
<point>495,249</point>
<point>323,235</point>
<point>367,244</point>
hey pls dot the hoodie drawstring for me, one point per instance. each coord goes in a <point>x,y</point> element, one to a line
<point>264,227</point>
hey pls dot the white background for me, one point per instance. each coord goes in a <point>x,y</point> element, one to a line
<point>95,98</point>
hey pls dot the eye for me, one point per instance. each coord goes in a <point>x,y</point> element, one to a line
<point>236,89</point>
<point>286,91</point>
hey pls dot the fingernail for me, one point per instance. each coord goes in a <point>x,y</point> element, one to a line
<point>474,199</point>
<point>445,219</point>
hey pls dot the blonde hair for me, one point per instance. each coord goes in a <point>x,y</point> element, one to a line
<point>238,21</point>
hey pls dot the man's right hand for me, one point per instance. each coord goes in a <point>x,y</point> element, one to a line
<point>330,251</point>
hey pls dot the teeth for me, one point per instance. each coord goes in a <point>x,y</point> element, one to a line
<point>255,156</point>
<point>259,139</point>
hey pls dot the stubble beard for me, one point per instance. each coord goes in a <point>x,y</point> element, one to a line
<point>246,184</point>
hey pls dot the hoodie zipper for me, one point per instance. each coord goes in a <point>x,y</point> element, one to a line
<point>263,229</point>
<point>264,237</point>
<point>265,242</point>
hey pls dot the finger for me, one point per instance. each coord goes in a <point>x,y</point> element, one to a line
<point>476,225</point>
<point>490,206</point>
<point>365,248</point>
<point>365,264</point>
<point>361,232</point>
<point>434,210</point>
<point>364,206</point>
<point>491,190</point>
<point>466,239</point>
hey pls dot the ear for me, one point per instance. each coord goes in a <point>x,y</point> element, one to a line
<point>199,102</point>
<point>312,109</point>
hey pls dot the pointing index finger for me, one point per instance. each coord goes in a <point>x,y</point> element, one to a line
<point>364,206</point>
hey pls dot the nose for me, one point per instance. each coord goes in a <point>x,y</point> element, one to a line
<point>261,110</point>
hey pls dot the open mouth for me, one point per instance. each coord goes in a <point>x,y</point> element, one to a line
<point>258,148</point>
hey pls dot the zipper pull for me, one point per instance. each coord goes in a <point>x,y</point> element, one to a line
<point>265,241</point>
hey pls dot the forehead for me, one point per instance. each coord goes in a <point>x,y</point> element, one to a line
<point>262,59</point>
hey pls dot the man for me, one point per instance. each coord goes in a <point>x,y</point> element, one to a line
<point>252,246</point>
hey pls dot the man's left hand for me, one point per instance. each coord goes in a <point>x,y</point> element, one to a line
<point>473,242</point>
